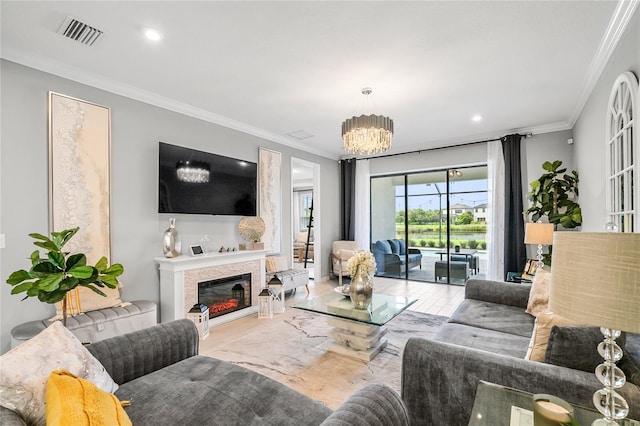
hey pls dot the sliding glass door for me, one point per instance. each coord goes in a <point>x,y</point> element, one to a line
<point>430,226</point>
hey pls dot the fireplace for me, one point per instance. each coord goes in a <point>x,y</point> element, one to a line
<point>225,295</point>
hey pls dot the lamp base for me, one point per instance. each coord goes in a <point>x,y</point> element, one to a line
<point>607,401</point>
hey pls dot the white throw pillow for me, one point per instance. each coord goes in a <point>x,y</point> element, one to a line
<point>539,294</point>
<point>24,370</point>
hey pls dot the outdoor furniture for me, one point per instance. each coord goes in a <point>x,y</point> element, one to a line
<point>473,261</point>
<point>459,270</point>
<point>391,257</point>
<point>463,255</point>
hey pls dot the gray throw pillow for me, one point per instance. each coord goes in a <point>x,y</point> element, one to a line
<point>576,347</point>
<point>631,369</point>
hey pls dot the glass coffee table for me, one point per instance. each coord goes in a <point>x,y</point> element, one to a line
<point>357,333</point>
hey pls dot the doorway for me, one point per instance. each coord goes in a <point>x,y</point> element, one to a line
<point>430,226</point>
<point>305,223</point>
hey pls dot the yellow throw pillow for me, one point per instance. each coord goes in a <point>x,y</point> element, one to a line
<point>24,370</point>
<point>541,331</point>
<point>73,401</point>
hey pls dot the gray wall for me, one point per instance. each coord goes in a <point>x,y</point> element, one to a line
<point>135,224</point>
<point>589,131</point>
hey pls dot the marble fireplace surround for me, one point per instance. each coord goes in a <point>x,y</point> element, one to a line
<point>179,278</point>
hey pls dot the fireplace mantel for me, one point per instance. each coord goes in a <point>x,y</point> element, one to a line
<point>175,276</point>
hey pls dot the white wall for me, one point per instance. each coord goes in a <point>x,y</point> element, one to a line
<point>135,224</point>
<point>540,148</point>
<point>589,132</point>
<point>430,160</point>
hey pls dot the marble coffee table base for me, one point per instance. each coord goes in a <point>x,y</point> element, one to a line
<point>356,339</point>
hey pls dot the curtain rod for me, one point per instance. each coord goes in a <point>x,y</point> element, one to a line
<point>418,151</point>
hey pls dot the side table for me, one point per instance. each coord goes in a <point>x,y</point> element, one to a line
<point>497,405</point>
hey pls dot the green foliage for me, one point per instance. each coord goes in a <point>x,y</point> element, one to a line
<point>464,219</point>
<point>473,244</point>
<point>551,195</point>
<point>52,276</point>
<point>483,245</point>
<point>431,243</point>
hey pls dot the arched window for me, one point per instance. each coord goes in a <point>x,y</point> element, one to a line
<point>622,164</point>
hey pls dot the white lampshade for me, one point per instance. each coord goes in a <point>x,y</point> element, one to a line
<point>538,233</point>
<point>595,279</point>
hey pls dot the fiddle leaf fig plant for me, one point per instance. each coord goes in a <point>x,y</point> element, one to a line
<point>53,275</point>
<point>552,195</point>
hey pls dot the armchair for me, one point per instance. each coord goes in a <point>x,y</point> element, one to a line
<point>341,252</point>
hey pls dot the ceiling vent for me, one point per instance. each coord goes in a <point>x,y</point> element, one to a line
<point>79,31</point>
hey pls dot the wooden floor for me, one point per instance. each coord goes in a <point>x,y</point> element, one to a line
<point>437,299</point>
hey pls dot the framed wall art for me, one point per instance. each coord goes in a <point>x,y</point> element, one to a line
<point>79,173</point>
<point>270,176</point>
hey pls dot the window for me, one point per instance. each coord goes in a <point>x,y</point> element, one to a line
<point>622,164</point>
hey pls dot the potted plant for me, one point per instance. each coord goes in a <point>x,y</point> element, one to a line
<point>53,276</point>
<point>552,195</point>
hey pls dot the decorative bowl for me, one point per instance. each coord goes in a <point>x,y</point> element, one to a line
<point>343,290</point>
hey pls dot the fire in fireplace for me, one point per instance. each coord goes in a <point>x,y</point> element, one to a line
<point>225,295</point>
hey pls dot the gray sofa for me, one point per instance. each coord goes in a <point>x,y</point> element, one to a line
<point>392,256</point>
<point>159,371</point>
<point>486,339</point>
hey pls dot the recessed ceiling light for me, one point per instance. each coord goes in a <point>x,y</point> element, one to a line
<point>477,118</point>
<point>152,34</point>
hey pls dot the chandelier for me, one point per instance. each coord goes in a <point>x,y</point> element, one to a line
<point>367,134</point>
<point>193,171</point>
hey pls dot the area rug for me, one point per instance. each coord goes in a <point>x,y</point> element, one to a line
<point>292,349</point>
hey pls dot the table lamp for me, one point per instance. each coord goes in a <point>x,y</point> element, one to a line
<point>596,281</point>
<point>539,233</point>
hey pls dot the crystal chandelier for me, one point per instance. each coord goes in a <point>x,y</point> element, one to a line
<point>367,134</point>
<point>192,171</point>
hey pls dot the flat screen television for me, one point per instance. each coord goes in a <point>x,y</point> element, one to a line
<point>197,182</point>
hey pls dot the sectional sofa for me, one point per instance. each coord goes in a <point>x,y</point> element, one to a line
<point>159,371</point>
<point>487,338</point>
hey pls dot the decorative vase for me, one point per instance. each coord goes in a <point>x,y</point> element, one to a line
<point>361,290</point>
<point>171,240</point>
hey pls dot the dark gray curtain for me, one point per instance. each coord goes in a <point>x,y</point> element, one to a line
<point>348,199</point>
<point>515,254</point>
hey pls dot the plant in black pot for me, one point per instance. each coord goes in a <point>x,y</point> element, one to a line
<point>51,277</point>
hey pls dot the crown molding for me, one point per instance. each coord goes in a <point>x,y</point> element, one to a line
<point>103,83</point>
<point>617,26</point>
<point>464,140</point>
